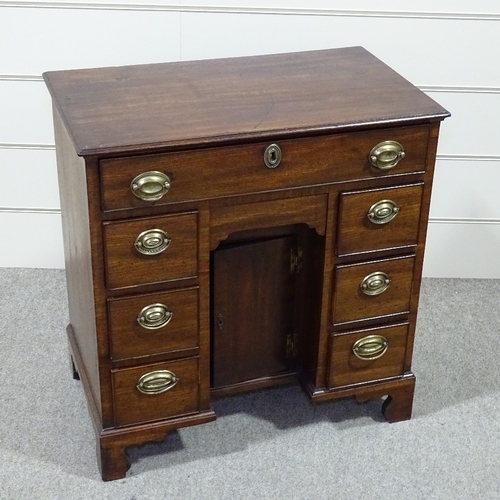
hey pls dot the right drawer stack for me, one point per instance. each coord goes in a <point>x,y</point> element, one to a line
<point>373,291</point>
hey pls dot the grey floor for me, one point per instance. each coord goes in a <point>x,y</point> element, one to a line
<point>268,445</point>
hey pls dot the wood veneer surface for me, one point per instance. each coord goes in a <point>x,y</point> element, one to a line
<point>129,108</point>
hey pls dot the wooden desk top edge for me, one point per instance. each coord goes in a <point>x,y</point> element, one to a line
<point>125,109</point>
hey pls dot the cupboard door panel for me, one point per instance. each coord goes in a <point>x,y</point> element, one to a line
<point>254,292</point>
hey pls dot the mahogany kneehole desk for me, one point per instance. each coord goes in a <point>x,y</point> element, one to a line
<point>236,224</point>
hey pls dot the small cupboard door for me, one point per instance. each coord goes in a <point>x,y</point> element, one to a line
<point>253,310</point>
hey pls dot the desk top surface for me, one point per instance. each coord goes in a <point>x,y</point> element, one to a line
<point>223,101</point>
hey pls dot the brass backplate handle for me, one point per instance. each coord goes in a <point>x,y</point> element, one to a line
<point>386,155</point>
<point>375,283</point>
<point>152,242</point>
<point>150,186</point>
<point>272,156</point>
<point>157,382</point>
<point>382,212</point>
<point>154,316</point>
<point>370,347</point>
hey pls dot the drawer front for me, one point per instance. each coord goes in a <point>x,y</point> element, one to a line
<point>153,323</point>
<point>208,173</point>
<point>366,355</point>
<point>169,246</point>
<point>378,219</point>
<point>131,406</point>
<point>359,289</point>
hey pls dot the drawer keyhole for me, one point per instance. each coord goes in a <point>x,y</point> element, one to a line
<point>272,156</point>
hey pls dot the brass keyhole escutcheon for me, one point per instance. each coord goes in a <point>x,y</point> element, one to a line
<point>272,156</point>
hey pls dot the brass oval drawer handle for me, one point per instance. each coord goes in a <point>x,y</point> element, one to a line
<point>157,382</point>
<point>152,242</point>
<point>386,155</point>
<point>272,156</point>
<point>371,347</point>
<point>375,283</point>
<point>150,186</point>
<point>382,212</point>
<point>154,316</point>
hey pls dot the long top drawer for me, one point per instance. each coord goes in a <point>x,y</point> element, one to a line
<point>225,171</point>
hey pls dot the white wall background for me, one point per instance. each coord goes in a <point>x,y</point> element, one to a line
<point>448,48</point>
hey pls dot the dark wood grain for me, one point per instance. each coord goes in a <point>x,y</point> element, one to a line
<point>130,340</point>
<point>423,224</point>
<point>112,110</point>
<point>206,125</point>
<point>357,234</point>
<point>399,403</point>
<point>308,210</point>
<point>351,304</point>
<point>204,293</point>
<point>241,169</point>
<point>133,407</point>
<point>126,267</point>
<point>78,263</point>
<point>308,299</point>
<point>254,293</point>
<point>346,368</point>
<point>112,443</point>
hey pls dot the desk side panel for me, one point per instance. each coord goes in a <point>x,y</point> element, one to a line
<point>78,257</point>
<point>422,238</point>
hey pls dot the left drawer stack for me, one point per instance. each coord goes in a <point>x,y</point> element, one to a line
<point>151,271</point>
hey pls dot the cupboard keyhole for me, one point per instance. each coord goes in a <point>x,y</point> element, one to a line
<point>220,322</point>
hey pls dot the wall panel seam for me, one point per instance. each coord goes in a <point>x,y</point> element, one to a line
<point>453,89</point>
<point>41,147</point>
<point>21,78</point>
<point>30,210</point>
<point>463,220</point>
<point>459,16</point>
<point>458,157</point>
